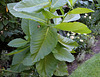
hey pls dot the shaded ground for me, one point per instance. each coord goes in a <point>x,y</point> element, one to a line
<point>96,49</point>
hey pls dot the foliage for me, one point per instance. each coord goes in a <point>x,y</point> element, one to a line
<point>42,46</point>
<point>9,25</point>
<point>91,19</point>
<point>88,69</point>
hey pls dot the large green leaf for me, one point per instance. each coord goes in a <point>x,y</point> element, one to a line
<point>66,42</point>
<point>30,5</point>
<point>47,66</point>
<point>61,69</point>
<point>80,11</point>
<point>22,61</point>
<point>29,27</point>
<point>62,54</point>
<point>31,16</point>
<point>74,27</point>
<point>17,42</point>
<point>71,17</point>
<point>57,3</point>
<point>43,42</point>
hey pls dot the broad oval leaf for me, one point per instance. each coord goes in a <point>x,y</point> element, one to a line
<point>62,54</point>
<point>43,42</point>
<point>80,11</point>
<point>47,66</point>
<point>71,17</point>
<point>31,16</point>
<point>61,69</point>
<point>68,43</point>
<point>30,5</point>
<point>76,27</point>
<point>17,42</point>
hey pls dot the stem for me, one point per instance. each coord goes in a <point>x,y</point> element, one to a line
<point>65,15</point>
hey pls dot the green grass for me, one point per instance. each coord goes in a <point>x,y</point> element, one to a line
<point>91,68</point>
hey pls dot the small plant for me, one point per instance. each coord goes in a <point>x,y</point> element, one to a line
<point>43,47</point>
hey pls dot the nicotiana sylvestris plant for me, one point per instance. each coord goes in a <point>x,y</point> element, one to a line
<point>43,47</point>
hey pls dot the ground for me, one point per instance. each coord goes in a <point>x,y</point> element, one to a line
<point>95,50</point>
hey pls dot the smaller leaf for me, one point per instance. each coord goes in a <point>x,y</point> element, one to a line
<point>18,51</point>
<point>80,11</point>
<point>61,69</point>
<point>49,15</point>
<point>76,27</point>
<point>62,54</point>
<point>71,17</point>
<point>17,42</point>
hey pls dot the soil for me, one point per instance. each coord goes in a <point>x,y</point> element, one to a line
<point>95,50</point>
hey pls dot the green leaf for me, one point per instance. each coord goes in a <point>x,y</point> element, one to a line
<point>71,17</point>
<point>71,2</point>
<point>57,4</point>
<point>66,42</point>
<point>22,61</point>
<point>49,15</point>
<point>18,51</point>
<point>98,1</point>
<point>17,42</point>
<point>31,16</point>
<point>80,11</point>
<point>30,5</point>
<point>43,42</point>
<point>29,27</point>
<point>62,54</point>
<point>61,69</point>
<point>5,22</point>
<point>74,27</point>
<point>47,66</point>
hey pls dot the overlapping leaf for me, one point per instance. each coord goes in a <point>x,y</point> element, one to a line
<point>66,42</point>
<point>71,17</point>
<point>49,15</point>
<point>61,69</point>
<point>29,27</point>
<point>47,66</point>
<point>74,27</point>
<point>43,42</point>
<point>30,5</point>
<point>62,54</point>
<point>22,61</point>
<point>31,16</point>
<point>57,3</point>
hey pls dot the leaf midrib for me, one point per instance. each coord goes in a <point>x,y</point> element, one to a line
<point>42,42</point>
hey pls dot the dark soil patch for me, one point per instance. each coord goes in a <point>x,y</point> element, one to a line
<point>95,50</point>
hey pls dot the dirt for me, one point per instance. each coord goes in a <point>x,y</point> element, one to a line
<point>95,50</point>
